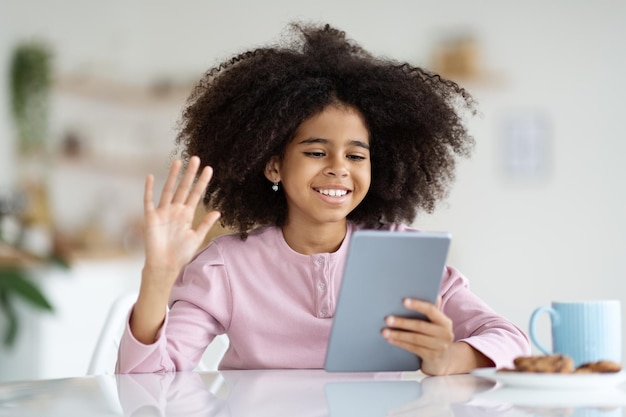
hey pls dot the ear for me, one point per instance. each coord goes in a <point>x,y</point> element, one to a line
<point>272,169</point>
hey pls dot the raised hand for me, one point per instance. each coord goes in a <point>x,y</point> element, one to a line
<point>170,242</point>
<point>170,239</point>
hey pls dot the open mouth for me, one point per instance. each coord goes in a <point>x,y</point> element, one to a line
<point>332,192</point>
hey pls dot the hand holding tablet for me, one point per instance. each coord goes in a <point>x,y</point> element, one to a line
<point>382,269</point>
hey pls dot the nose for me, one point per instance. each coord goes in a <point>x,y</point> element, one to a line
<point>336,167</point>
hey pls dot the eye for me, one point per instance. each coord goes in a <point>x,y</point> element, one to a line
<point>314,154</point>
<point>356,157</point>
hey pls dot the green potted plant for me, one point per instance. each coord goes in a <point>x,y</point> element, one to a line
<point>29,83</point>
<point>15,267</point>
<point>15,283</point>
<point>29,87</point>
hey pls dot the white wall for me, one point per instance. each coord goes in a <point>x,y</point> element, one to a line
<point>522,242</point>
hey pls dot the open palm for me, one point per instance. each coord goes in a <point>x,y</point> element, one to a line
<point>170,238</point>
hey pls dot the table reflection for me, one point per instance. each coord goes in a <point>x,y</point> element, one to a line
<point>299,393</point>
<point>302,393</point>
<point>591,402</point>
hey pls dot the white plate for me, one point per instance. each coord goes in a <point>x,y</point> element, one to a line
<point>552,381</point>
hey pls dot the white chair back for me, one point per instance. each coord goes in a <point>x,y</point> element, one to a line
<point>105,352</point>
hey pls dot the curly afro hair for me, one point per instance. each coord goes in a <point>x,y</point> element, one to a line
<point>247,109</point>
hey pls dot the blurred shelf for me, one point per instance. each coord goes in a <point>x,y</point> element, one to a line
<point>120,166</point>
<point>108,253</point>
<point>163,93</point>
<point>10,256</point>
<point>478,80</point>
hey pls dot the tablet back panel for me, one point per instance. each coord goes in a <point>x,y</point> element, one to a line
<point>382,268</point>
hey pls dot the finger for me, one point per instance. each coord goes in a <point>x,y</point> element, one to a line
<point>411,347</point>
<point>170,183</point>
<point>426,351</point>
<point>207,223</point>
<point>187,181</point>
<point>396,337</point>
<point>431,311</point>
<point>400,339</point>
<point>414,342</point>
<point>412,325</point>
<point>199,187</point>
<point>148,194</point>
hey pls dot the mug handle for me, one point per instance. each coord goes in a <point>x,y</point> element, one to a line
<point>554,316</point>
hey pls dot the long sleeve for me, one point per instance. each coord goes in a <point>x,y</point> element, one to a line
<point>200,303</point>
<point>477,324</point>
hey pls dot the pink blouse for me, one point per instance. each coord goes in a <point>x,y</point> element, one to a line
<point>276,306</point>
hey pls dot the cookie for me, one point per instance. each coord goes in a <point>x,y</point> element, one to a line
<point>507,370</point>
<point>599,366</point>
<point>544,364</point>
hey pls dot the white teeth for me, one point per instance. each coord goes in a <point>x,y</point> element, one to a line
<point>333,193</point>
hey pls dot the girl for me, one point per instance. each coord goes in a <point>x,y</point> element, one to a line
<point>307,143</point>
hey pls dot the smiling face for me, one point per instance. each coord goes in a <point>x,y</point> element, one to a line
<point>326,169</point>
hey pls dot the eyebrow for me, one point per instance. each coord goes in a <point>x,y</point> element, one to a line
<point>353,142</point>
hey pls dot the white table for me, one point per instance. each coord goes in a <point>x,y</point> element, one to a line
<point>297,393</point>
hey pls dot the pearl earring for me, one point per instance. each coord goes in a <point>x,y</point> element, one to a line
<point>275,186</point>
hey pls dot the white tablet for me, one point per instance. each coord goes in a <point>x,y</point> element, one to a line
<point>382,268</point>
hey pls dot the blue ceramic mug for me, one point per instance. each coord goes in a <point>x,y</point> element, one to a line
<point>586,331</point>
